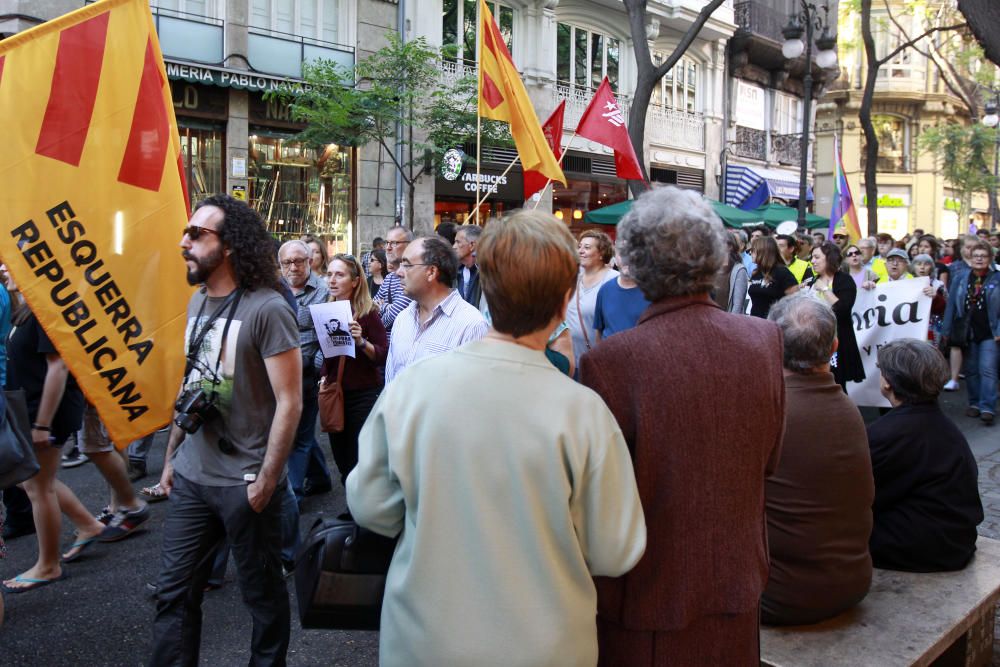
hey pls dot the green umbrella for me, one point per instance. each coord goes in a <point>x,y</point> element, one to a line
<point>609,215</point>
<point>732,216</point>
<point>775,214</point>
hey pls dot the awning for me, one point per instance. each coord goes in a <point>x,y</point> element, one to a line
<point>750,187</point>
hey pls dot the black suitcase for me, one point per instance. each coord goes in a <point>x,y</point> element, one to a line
<point>340,576</point>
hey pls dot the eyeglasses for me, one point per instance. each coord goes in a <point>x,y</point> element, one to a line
<point>854,253</point>
<point>390,244</point>
<point>285,263</point>
<point>194,231</point>
<point>406,266</point>
<point>979,256</point>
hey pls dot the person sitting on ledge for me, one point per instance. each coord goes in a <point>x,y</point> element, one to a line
<point>927,502</point>
<point>819,499</point>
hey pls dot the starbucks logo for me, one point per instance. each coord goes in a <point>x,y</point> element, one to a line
<point>452,167</point>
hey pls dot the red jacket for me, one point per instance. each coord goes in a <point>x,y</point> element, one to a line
<point>700,397</point>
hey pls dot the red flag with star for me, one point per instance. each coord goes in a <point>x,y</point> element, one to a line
<point>535,181</point>
<point>604,122</point>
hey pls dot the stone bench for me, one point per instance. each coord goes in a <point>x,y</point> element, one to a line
<point>939,619</point>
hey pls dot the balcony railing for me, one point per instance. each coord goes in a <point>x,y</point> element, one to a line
<point>189,36</point>
<point>750,143</point>
<point>455,70</point>
<point>889,164</point>
<point>786,149</point>
<point>283,54</point>
<point>759,18</point>
<point>673,127</point>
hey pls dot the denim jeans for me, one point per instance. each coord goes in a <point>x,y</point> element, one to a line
<point>981,375</point>
<point>198,519</point>
<point>306,460</point>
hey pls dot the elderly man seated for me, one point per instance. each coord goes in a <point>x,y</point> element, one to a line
<point>819,499</point>
<point>927,502</point>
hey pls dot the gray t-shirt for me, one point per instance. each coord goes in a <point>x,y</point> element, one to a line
<point>262,326</point>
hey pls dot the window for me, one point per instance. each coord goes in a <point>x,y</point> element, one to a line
<point>584,58</point>
<point>316,19</point>
<point>197,7</point>
<point>463,13</point>
<point>678,89</point>
<point>888,37</point>
<point>787,114</point>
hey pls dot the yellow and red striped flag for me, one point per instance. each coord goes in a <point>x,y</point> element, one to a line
<point>502,97</point>
<point>93,204</point>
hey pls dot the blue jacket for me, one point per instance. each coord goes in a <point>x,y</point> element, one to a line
<point>957,291</point>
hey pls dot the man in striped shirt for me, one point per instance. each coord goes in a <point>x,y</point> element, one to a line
<point>438,319</point>
<point>390,298</point>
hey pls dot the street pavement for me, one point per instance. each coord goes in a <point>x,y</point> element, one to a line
<point>102,614</point>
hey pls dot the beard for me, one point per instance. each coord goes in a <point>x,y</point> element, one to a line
<point>204,266</point>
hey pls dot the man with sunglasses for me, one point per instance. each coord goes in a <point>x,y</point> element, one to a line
<point>391,300</point>
<point>237,412</point>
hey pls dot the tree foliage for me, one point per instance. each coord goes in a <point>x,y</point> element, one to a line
<point>966,154</point>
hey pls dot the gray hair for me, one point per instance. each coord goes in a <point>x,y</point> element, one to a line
<point>673,243</point>
<point>407,234</point>
<point>295,243</point>
<point>866,242</point>
<point>808,329</point>
<point>914,369</point>
<point>471,232</point>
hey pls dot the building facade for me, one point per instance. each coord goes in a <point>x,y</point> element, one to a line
<point>911,96</point>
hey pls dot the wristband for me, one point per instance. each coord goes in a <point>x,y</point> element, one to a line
<point>39,427</point>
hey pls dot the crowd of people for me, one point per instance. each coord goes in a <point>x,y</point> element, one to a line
<point>558,430</point>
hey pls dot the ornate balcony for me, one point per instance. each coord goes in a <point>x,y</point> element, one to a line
<point>786,149</point>
<point>759,18</point>
<point>673,127</point>
<point>750,143</point>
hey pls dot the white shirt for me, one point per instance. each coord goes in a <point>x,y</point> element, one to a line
<point>452,323</point>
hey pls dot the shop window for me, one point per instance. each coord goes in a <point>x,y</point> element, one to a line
<point>678,89</point>
<point>317,19</point>
<point>202,152</point>
<point>584,58</point>
<point>580,195</point>
<point>893,144</point>
<point>455,13</point>
<point>787,114</point>
<point>300,190</point>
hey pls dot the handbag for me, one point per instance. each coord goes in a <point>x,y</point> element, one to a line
<point>331,402</point>
<point>960,331</point>
<point>17,452</point>
<point>340,573</point>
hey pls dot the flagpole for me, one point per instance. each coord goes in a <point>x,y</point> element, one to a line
<point>558,164</point>
<point>480,202</point>
<point>479,124</point>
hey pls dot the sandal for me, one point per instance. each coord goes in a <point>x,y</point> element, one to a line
<point>153,494</point>
<point>77,548</point>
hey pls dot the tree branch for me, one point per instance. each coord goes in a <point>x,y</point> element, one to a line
<point>905,45</point>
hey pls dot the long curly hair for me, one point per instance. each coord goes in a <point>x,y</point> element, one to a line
<point>254,258</point>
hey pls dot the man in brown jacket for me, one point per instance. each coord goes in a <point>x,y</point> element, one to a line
<point>699,396</point>
<point>819,500</point>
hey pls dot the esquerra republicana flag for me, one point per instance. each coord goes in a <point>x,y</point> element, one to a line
<point>93,205</point>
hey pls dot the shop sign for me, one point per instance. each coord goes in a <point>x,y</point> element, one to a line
<point>190,99</point>
<point>239,192</point>
<point>230,78</point>
<point>952,204</point>
<point>750,106</point>
<point>493,182</point>
<point>888,201</point>
<point>271,112</point>
<point>451,167</point>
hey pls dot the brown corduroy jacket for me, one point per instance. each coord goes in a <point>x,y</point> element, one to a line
<point>699,396</point>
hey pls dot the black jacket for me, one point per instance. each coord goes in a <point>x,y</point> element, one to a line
<point>927,502</point>
<point>474,291</point>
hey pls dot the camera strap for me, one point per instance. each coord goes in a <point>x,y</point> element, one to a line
<point>232,301</point>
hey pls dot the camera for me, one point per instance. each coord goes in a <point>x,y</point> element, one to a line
<point>194,408</point>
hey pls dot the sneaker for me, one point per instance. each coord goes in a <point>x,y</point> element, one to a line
<point>951,385</point>
<point>136,470</point>
<point>73,458</point>
<point>105,516</point>
<point>124,523</point>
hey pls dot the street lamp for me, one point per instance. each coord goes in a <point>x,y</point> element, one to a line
<point>806,21</point>
<point>991,119</point>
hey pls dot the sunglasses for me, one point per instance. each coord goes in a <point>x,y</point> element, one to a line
<point>194,231</point>
<point>854,253</point>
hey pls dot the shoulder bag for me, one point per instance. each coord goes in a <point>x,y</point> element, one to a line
<point>579,313</point>
<point>340,573</point>
<point>17,452</point>
<point>331,402</point>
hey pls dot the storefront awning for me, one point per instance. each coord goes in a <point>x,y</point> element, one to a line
<point>749,187</point>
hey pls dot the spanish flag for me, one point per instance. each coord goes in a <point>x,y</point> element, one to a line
<point>93,205</point>
<point>502,97</point>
